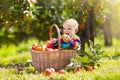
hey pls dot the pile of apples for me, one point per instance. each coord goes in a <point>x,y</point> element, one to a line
<point>78,68</point>
<point>44,47</point>
<point>87,68</point>
<point>38,47</point>
<point>50,71</point>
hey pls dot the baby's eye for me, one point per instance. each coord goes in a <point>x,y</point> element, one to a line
<point>64,28</point>
<point>69,28</point>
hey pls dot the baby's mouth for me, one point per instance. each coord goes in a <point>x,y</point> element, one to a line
<point>67,33</point>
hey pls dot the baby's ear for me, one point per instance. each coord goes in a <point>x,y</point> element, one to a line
<point>76,30</point>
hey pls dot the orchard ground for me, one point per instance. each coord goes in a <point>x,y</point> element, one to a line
<point>15,64</point>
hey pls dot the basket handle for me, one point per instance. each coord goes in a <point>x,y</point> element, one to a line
<point>58,32</point>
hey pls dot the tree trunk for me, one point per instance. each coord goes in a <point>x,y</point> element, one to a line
<point>90,26</point>
<point>107,33</point>
<point>88,32</point>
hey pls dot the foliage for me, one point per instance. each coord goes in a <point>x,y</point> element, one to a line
<point>90,57</point>
<point>11,19</point>
<point>22,19</point>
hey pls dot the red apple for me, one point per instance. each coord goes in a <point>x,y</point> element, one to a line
<point>55,49</point>
<point>82,25</point>
<point>49,44</point>
<point>77,68</point>
<point>48,72</point>
<point>65,38</point>
<point>48,49</point>
<point>61,71</point>
<point>88,68</point>
<point>37,47</point>
<point>34,46</point>
<point>53,70</point>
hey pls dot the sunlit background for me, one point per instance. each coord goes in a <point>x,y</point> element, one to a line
<point>115,19</point>
<point>24,23</point>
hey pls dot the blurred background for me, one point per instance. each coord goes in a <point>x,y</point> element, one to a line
<point>21,20</point>
<point>24,21</point>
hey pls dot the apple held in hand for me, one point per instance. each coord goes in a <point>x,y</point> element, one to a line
<point>65,38</point>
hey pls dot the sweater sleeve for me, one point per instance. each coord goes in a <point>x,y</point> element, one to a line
<point>64,45</point>
<point>76,43</point>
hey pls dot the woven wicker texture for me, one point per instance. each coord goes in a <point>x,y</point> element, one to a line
<point>52,59</point>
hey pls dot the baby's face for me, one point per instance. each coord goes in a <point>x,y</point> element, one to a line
<point>68,30</point>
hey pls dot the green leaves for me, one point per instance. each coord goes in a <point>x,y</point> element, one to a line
<point>33,20</point>
<point>91,56</point>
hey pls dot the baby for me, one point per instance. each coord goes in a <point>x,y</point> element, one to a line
<point>69,39</point>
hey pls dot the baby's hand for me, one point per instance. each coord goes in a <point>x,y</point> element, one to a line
<point>53,40</point>
<point>65,38</point>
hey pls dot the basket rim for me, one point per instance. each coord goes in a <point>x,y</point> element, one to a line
<point>51,51</point>
<point>42,51</point>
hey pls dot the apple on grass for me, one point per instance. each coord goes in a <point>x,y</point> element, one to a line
<point>49,71</point>
<point>61,71</point>
<point>77,69</point>
<point>53,70</point>
<point>88,68</point>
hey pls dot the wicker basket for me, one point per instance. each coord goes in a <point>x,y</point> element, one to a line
<point>52,59</point>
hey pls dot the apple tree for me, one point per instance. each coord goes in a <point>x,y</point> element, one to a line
<point>23,19</point>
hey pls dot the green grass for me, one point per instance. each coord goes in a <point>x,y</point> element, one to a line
<point>16,54</point>
<point>109,68</point>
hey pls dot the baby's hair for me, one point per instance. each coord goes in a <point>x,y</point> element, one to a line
<point>71,22</point>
